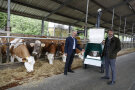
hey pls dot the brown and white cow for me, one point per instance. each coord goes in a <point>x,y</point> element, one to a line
<point>19,51</point>
<point>62,46</point>
<point>50,49</point>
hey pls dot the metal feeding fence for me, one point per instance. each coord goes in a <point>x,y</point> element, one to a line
<point>83,42</point>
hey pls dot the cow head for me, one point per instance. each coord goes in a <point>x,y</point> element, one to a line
<point>60,48</point>
<point>29,64</point>
<point>37,47</point>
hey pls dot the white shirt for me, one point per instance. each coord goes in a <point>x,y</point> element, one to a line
<point>73,43</point>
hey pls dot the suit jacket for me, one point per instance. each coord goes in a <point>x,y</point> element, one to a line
<point>115,47</point>
<point>69,45</point>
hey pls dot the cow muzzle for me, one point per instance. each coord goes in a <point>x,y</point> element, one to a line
<point>34,53</point>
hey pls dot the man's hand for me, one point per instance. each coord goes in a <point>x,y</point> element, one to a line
<point>83,50</point>
<point>65,54</point>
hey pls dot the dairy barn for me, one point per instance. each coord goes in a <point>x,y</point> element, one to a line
<point>33,39</point>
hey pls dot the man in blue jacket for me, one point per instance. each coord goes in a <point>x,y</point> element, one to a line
<point>70,48</point>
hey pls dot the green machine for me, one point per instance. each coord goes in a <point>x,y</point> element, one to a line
<point>93,49</point>
<point>89,57</point>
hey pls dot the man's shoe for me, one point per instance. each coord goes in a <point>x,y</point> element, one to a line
<point>65,73</point>
<point>71,71</point>
<point>102,71</point>
<point>111,82</point>
<point>105,77</point>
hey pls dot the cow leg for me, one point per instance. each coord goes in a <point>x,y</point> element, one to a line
<point>64,58</point>
<point>50,58</point>
<point>12,58</point>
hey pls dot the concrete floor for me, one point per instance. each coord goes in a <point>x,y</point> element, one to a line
<point>89,79</point>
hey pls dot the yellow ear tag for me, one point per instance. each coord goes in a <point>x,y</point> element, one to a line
<point>26,57</point>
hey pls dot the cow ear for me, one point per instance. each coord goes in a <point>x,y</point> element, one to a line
<point>42,45</point>
<point>32,44</point>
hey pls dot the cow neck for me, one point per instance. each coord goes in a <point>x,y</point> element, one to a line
<point>17,43</point>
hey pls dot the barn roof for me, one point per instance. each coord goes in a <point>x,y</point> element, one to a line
<point>73,12</point>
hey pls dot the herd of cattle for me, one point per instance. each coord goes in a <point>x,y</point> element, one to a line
<point>28,50</point>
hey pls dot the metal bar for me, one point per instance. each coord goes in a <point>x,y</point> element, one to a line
<point>86,19</point>
<point>69,30</point>
<point>61,6</point>
<point>125,25</point>
<point>132,29</point>
<point>124,29</point>
<point>120,27</point>
<point>132,32</point>
<point>8,29</point>
<point>8,18</point>
<point>54,30</point>
<point>31,38</point>
<point>42,28</point>
<point>112,19</point>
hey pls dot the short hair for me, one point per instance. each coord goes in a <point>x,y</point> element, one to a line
<point>110,30</point>
<point>74,31</point>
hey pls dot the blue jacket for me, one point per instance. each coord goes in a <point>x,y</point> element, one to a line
<point>69,45</point>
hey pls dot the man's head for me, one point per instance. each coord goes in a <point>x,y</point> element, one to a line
<point>110,33</point>
<point>74,33</point>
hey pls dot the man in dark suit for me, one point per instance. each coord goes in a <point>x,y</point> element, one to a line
<point>70,48</point>
<point>111,48</point>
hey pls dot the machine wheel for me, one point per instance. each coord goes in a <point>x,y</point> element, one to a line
<point>85,66</point>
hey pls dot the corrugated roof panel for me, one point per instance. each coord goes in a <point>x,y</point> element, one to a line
<point>47,4</point>
<point>109,3</point>
<point>123,10</point>
<point>60,18</point>
<point>13,6</point>
<point>93,20</point>
<point>1,2</point>
<point>71,12</point>
<point>131,18</point>
<point>132,3</point>
<point>93,8</point>
<point>28,8</point>
<point>80,4</point>
<point>107,16</point>
<point>4,4</point>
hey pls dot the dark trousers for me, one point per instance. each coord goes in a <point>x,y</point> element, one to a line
<point>111,63</point>
<point>69,61</point>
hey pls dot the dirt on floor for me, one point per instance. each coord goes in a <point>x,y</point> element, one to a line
<point>18,76</point>
<point>126,51</point>
<point>42,69</point>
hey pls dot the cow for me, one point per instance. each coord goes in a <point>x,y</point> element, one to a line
<point>37,48</point>
<point>19,51</point>
<point>50,49</point>
<point>61,46</point>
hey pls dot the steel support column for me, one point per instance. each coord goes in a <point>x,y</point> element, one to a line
<point>42,28</point>
<point>69,31</point>
<point>120,27</point>
<point>125,26</point>
<point>8,29</point>
<point>112,19</point>
<point>86,19</point>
